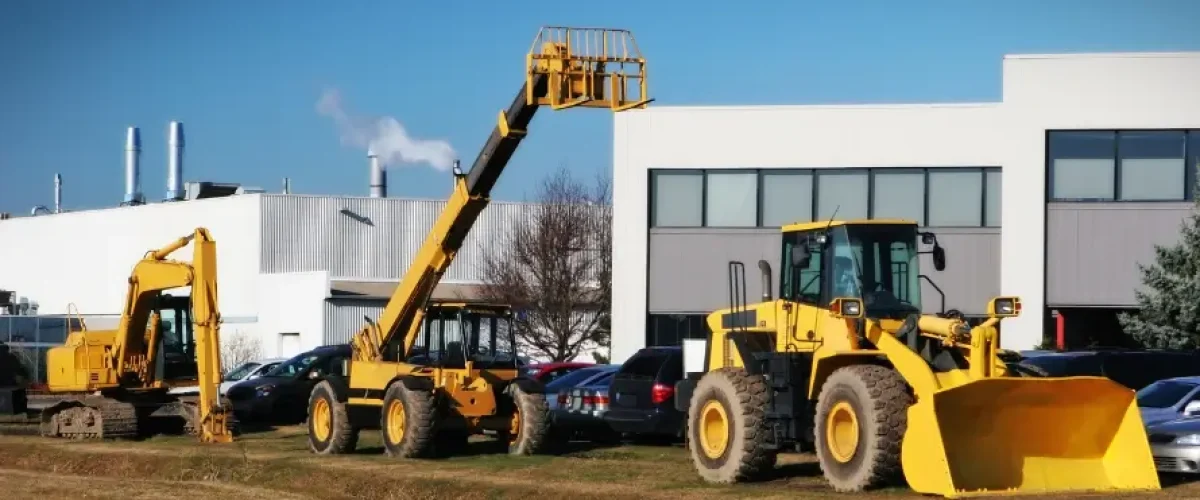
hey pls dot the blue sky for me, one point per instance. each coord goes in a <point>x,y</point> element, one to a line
<point>245,77</point>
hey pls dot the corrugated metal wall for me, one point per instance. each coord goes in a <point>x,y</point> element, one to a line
<point>343,317</point>
<point>371,238</point>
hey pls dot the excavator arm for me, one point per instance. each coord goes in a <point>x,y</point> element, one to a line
<point>565,68</point>
<point>135,351</point>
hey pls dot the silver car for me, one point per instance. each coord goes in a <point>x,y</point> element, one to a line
<point>1175,445</point>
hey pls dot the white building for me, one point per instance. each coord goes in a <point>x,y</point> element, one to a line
<point>1054,194</point>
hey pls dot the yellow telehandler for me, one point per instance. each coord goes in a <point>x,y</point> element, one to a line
<point>417,395</point>
<point>845,363</point>
<point>113,383</point>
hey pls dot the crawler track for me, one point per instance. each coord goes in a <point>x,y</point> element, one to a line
<point>90,417</point>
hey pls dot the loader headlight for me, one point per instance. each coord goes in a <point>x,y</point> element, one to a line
<point>1004,307</point>
<point>1190,439</point>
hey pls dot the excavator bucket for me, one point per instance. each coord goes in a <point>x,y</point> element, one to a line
<point>1028,435</point>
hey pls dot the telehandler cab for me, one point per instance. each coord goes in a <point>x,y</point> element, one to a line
<point>845,362</point>
<point>413,398</point>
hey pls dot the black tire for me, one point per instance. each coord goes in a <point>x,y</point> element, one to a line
<point>416,439</point>
<point>534,423</point>
<point>741,398</point>
<point>877,398</point>
<point>341,437</point>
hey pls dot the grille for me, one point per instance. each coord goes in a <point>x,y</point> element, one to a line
<point>1162,438</point>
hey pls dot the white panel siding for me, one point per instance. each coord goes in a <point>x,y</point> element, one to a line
<point>344,317</point>
<point>85,258</point>
<point>370,238</point>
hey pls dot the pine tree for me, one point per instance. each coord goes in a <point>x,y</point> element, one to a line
<point>1170,305</point>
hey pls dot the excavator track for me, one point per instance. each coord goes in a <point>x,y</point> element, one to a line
<point>90,418</point>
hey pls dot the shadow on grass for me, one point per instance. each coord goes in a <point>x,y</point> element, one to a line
<point>1169,480</point>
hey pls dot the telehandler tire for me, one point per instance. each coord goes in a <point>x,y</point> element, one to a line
<point>529,426</point>
<point>726,431</point>
<point>861,417</point>
<point>408,421</point>
<point>329,428</point>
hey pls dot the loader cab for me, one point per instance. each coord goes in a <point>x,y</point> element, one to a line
<point>454,333</point>
<point>876,261</point>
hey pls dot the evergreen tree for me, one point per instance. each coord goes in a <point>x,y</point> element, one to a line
<point>1170,304</point>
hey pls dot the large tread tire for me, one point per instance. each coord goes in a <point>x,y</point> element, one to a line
<point>879,399</point>
<point>343,437</point>
<point>742,398</point>
<point>420,422</point>
<point>534,434</point>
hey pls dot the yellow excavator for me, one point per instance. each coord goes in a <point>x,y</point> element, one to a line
<point>845,363</point>
<point>115,383</point>
<point>418,395</point>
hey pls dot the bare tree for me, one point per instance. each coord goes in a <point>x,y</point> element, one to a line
<point>554,266</point>
<point>238,348</point>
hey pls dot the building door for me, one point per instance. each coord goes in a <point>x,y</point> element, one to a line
<point>289,344</point>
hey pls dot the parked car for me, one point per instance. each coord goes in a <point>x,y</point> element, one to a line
<point>579,410</point>
<point>1169,399</point>
<point>641,396</point>
<point>547,372</point>
<point>281,394</point>
<point>1134,369</point>
<point>245,371</point>
<point>1175,445</point>
<point>575,378</point>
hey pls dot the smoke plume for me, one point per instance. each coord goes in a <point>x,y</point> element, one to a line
<point>385,136</point>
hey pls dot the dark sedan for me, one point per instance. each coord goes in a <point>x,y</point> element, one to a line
<point>281,395</point>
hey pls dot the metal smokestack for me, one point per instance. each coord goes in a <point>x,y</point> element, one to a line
<point>175,161</point>
<point>57,193</point>
<point>287,186</point>
<point>378,176</point>
<point>133,176</point>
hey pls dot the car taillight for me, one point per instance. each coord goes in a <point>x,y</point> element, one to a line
<point>660,393</point>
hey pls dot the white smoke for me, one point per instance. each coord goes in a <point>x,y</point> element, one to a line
<point>385,136</point>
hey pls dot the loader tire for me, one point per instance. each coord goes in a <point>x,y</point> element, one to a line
<point>529,427</point>
<point>408,421</point>
<point>860,422</point>
<point>726,428</point>
<point>329,428</point>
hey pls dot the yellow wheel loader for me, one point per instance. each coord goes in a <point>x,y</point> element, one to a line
<point>114,383</point>
<point>845,363</point>
<point>418,397</point>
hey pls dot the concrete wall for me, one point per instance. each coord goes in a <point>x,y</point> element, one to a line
<point>86,257</point>
<point>1093,249</point>
<point>291,303</point>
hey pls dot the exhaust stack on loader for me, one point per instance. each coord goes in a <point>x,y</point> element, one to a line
<point>845,362</point>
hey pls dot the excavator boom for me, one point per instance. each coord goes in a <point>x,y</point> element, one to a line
<point>567,67</point>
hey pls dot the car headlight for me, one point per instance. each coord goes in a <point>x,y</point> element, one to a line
<point>263,390</point>
<point>1190,439</point>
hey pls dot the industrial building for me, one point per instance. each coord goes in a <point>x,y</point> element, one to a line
<point>294,271</point>
<point>1055,193</point>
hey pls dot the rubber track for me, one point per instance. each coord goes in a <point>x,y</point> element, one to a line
<point>752,395</point>
<point>117,419</point>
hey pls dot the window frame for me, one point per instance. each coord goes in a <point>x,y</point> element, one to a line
<point>1191,154</point>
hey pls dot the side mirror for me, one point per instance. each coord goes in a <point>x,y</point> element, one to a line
<point>1191,409</point>
<point>928,238</point>
<point>313,375</point>
<point>939,258</point>
<point>1004,307</point>
<point>846,308</point>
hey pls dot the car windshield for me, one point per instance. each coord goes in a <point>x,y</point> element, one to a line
<point>293,366</point>
<point>571,379</point>
<point>1163,394</point>
<point>240,372</point>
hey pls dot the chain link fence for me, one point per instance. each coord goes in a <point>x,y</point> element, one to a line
<point>30,337</point>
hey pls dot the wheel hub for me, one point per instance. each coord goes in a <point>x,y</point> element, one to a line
<point>841,432</point>
<point>322,420</point>
<point>396,421</point>
<point>714,429</point>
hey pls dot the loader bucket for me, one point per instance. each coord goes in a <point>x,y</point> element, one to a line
<point>1028,435</point>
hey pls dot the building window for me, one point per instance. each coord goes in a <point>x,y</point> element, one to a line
<point>678,199</point>
<point>931,196</point>
<point>955,198</point>
<point>1151,165</point>
<point>992,198</point>
<point>1122,165</point>
<point>898,194</point>
<point>673,329</point>
<point>843,192</point>
<point>731,199</point>
<point>786,198</point>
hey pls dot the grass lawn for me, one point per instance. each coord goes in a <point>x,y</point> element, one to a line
<point>277,465</point>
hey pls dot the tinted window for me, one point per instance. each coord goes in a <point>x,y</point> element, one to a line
<point>672,369</point>
<point>1065,366</point>
<point>1137,370</point>
<point>1163,393</point>
<point>571,379</point>
<point>604,379</point>
<point>645,364</point>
